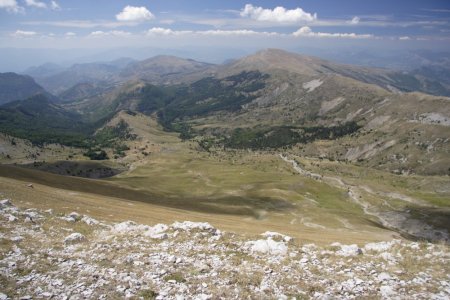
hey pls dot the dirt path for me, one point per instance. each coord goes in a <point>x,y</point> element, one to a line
<point>400,221</point>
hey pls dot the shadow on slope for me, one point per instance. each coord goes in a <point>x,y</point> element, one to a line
<point>233,205</point>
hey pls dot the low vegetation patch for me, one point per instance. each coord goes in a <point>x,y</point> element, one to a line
<point>276,137</point>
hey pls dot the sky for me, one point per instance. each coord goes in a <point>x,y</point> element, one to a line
<point>190,24</point>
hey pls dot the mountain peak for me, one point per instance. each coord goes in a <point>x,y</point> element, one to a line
<point>273,59</point>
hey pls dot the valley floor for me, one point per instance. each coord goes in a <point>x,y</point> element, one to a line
<point>353,228</point>
<point>45,254</point>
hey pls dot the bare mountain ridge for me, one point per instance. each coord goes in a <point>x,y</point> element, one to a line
<point>276,59</point>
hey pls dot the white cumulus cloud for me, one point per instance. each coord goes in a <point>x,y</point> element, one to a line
<point>54,5</point>
<point>134,14</point>
<point>306,31</point>
<point>355,20</point>
<point>69,34</point>
<point>36,3</point>
<point>23,33</point>
<point>11,6</point>
<point>404,38</point>
<point>278,14</point>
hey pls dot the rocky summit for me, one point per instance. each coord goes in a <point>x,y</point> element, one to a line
<point>46,255</point>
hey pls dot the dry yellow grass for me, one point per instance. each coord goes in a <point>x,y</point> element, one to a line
<point>117,209</point>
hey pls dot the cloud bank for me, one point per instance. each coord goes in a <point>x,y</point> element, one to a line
<point>23,33</point>
<point>306,31</point>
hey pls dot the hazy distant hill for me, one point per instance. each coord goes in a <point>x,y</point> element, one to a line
<point>44,70</point>
<point>81,91</point>
<point>156,70</point>
<point>17,87</point>
<point>79,73</point>
<point>163,69</point>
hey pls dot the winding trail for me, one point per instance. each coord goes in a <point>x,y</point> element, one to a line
<point>398,221</point>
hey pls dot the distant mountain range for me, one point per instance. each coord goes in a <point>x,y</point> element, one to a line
<point>267,100</point>
<point>432,78</point>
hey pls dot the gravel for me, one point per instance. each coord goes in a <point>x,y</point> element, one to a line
<point>51,257</point>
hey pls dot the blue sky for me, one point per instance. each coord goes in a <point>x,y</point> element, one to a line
<point>409,20</point>
<point>183,24</point>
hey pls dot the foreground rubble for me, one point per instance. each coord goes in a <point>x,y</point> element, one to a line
<point>46,255</point>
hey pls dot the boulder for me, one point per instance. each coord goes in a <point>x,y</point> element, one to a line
<point>89,220</point>
<point>74,238</point>
<point>268,246</point>
<point>188,226</point>
<point>5,202</point>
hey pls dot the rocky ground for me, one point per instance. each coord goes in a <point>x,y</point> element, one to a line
<point>48,255</point>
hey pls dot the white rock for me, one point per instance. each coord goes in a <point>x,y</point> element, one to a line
<point>160,236</point>
<point>304,260</point>
<point>47,295</point>
<point>74,238</point>
<point>388,257</point>
<point>11,218</point>
<point>273,234</point>
<point>348,285</point>
<point>379,247</point>
<point>387,292</point>
<point>16,238</point>
<point>124,227</point>
<point>74,215</point>
<point>202,297</point>
<point>157,232</point>
<point>188,226</point>
<point>90,221</point>
<point>68,219</point>
<point>5,202</point>
<point>348,250</point>
<point>129,294</point>
<point>384,277</point>
<point>3,296</point>
<point>414,246</point>
<point>268,246</point>
<point>32,214</point>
